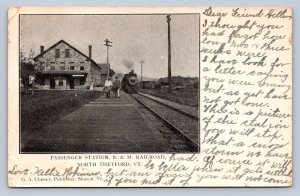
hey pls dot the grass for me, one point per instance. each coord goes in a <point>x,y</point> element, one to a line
<point>187,97</point>
<point>45,107</point>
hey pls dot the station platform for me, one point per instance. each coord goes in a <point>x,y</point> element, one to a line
<point>113,125</point>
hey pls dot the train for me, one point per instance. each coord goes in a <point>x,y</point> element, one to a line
<point>129,83</point>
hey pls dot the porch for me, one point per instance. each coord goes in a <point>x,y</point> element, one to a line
<point>61,81</point>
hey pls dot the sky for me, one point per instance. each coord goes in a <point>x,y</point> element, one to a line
<point>134,38</point>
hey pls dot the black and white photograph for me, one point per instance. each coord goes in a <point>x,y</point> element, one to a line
<point>118,83</point>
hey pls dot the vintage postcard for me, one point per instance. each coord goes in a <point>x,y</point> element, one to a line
<point>149,97</point>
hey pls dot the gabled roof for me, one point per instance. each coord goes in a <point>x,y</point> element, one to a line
<point>62,41</point>
<point>104,67</point>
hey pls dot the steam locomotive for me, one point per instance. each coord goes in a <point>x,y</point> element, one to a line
<point>129,83</point>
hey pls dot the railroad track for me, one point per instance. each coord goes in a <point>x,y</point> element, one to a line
<point>176,109</point>
<point>184,125</point>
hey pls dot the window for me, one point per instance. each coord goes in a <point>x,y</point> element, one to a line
<point>52,67</point>
<point>72,66</point>
<point>57,53</point>
<point>42,66</point>
<point>60,82</point>
<point>81,68</point>
<point>62,65</point>
<point>67,53</point>
<point>81,81</point>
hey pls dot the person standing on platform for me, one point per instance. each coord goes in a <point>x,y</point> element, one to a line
<point>108,85</point>
<point>117,86</point>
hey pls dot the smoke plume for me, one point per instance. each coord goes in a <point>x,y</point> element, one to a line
<point>128,63</point>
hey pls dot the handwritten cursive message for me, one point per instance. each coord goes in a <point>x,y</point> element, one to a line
<point>246,94</point>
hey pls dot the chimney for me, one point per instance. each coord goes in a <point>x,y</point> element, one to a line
<point>90,51</point>
<point>42,49</point>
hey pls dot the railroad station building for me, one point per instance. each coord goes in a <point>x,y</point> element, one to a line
<point>64,67</point>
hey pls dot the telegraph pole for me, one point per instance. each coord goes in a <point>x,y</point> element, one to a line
<point>107,44</point>
<point>142,61</point>
<point>169,53</point>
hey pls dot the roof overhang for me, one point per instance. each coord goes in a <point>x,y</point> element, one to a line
<point>61,72</point>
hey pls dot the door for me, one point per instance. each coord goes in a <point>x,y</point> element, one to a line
<point>71,83</point>
<point>52,83</point>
